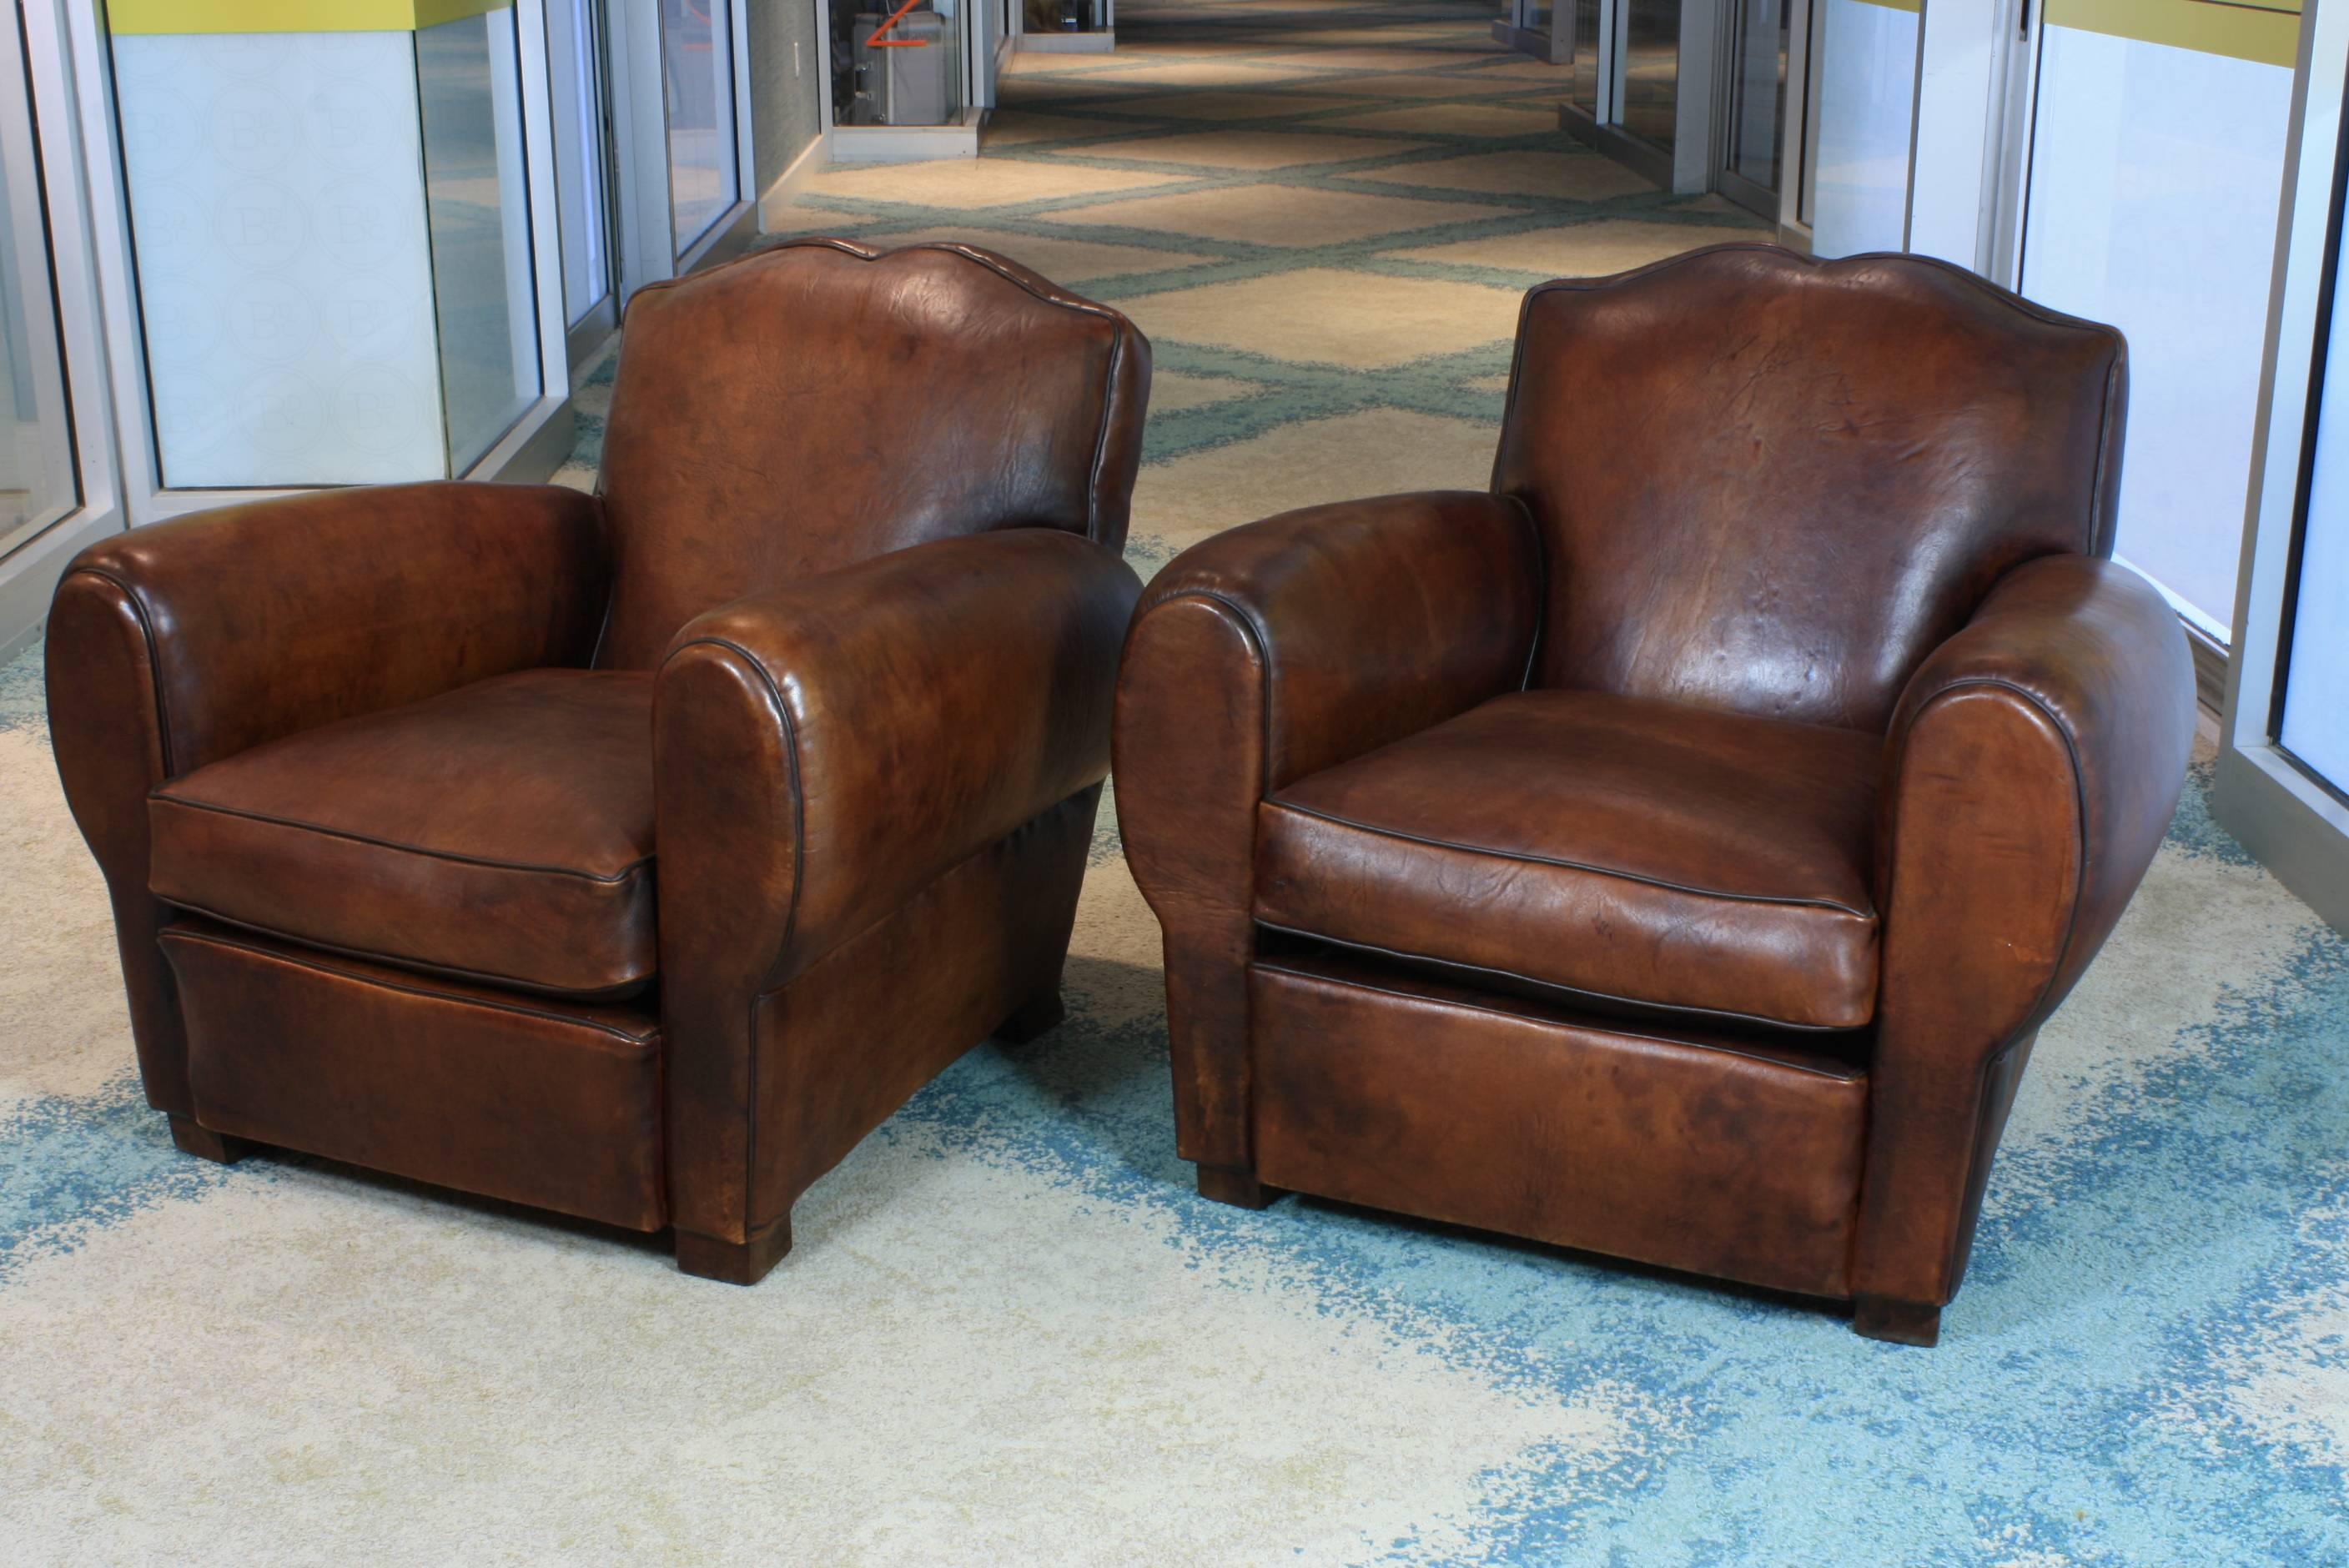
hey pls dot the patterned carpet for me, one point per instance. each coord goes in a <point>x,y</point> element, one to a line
<point>1011,1334</point>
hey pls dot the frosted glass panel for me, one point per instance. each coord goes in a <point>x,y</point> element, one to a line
<point>285,277</point>
<point>2157,174</point>
<point>1867,60</point>
<point>332,240</point>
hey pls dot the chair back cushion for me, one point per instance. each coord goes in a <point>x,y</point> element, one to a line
<point>1773,486</point>
<point>815,404</point>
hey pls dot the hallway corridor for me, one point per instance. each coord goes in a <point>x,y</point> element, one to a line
<point>1323,213</point>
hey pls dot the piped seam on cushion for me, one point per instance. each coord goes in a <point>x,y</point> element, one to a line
<point>1831,905</point>
<point>633,869</point>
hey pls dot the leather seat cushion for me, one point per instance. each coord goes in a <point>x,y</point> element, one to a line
<point>502,833</point>
<point>1641,850</point>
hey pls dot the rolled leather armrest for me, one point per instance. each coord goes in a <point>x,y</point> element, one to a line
<point>259,621</point>
<point>178,644</point>
<point>821,754</point>
<point>826,750</point>
<point>2031,769</point>
<point>1269,652</point>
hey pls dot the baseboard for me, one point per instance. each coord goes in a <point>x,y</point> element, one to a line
<point>1547,47</point>
<point>1101,42</point>
<point>2209,666</point>
<point>813,157</point>
<point>907,143</point>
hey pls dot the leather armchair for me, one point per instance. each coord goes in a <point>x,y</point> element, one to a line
<point>631,855</point>
<point>1673,852</point>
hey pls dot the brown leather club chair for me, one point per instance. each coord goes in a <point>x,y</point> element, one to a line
<point>1672,853</point>
<point>632,856</point>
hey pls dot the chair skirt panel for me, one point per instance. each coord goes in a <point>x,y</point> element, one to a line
<point>551,1103</point>
<point>856,1034</point>
<point>1713,1154</point>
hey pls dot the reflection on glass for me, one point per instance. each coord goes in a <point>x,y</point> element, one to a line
<point>1758,90</point>
<point>697,72</point>
<point>36,476</point>
<point>1807,142</point>
<point>897,64</point>
<point>1537,17</point>
<point>2316,722</point>
<point>575,51</point>
<point>1586,57</point>
<point>1651,70</point>
<point>1865,64</point>
<point>477,204</point>
<point>1066,16</point>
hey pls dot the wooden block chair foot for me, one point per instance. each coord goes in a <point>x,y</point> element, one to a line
<point>206,1144</point>
<point>1038,1015</point>
<point>1237,1188</point>
<point>734,1263</point>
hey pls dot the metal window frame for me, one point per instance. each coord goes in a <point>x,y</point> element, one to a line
<point>1781,205</point>
<point>586,334</point>
<point>649,245</point>
<point>2281,811</point>
<point>30,568</point>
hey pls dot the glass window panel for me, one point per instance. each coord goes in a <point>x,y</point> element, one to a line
<point>2163,223</point>
<point>1804,204</point>
<point>1758,90</point>
<point>2315,721</point>
<point>575,49</point>
<point>1651,70</point>
<point>1867,62</point>
<point>903,65</point>
<point>284,273</point>
<point>38,482</point>
<point>697,86</point>
<point>477,202</point>
<point>1054,16</point>
<point>1586,57</point>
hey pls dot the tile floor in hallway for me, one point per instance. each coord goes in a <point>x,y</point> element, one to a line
<point>1324,215</point>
